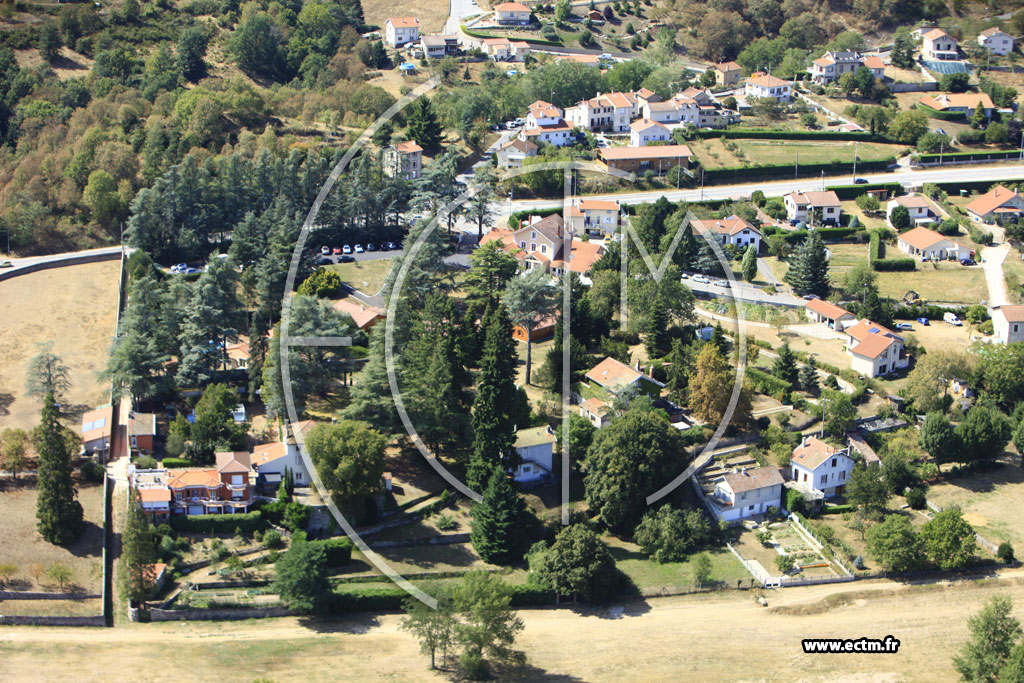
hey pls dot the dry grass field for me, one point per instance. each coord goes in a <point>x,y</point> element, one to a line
<point>75,308</point>
<point>712,637</point>
<point>431,13</point>
<point>713,153</point>
<point>21,545</point>
<point>990,500</point>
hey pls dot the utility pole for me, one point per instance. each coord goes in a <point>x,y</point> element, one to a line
<point>854,161</point>
<point>940,152</point>
<point>796,168</point>
<point>824,400</point>
<point>702,174</point>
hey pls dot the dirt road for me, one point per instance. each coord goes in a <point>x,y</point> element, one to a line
<point>718,636</point>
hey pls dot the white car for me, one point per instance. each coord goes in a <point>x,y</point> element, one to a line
<point>685,276</point>
<point>701,279</point>
<point>359,249</point>
<point>346,249</point>
<point>904,326</point>
<point>721,283</point>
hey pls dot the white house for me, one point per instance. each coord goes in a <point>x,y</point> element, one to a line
<point>747,493</point>
<point>1008,324</point>
<point>610,112</point>
<point>833,64</point>
<point>732,230</point>
<point>996,41</point>
<point>676,110</point>
<point>928,244</point>
<point>270,460</point>
<point>919,208</point>
<point>819,468</point>
<point>542,113</point>
<point>939,45</point>
<point>644,131</point>
<point>960,103</point>
<point>997,202</point>
<point>434,47</point>
<point>768,86</point>
<point>401,30</point>
<point>875,350</point>
<point>596,216</point>
<point>512,13</point>
<point>403,160</point>
<point>513,152</point>
<point>821,311</point>
<point>596,411</point>
<point>824,206</point>
<point>536,447</point>
<point>544,123</point>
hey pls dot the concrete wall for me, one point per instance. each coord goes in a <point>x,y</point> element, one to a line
<point>219,614</point>
<point>53,621</point>
<point>71,260</point>
<point>31,595</point>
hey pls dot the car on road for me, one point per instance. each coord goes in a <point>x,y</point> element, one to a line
<point>701,279</point>
<point>905,326</point>
<point>923,321</point>
<point>359,249</point>
<point>721,283</point>
<point>346,249</point>
<point>810,297</point>
<point>497,127</point>
<point>860,181</point>
<point>518,122</point>
<point>336,251</point>
<point>968,262</point>
<point>325,250</point>
<point>684,276</point>
<point>179,267</point>
<point>6,264</point>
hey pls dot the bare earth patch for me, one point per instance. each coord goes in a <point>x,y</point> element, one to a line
<point>75,308</point>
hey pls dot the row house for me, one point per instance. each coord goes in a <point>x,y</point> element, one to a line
<point>609,112</point>
<point>544,123</point>
<point>675,110</point>
<point>505,50</point>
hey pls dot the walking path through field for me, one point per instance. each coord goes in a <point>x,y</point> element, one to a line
<point>992,263</point>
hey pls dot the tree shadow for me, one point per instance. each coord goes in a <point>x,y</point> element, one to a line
<point>529,672</point>
<point>348,623</point>
<point>632,606</point>
<point>985,480</point>
<point>89,543</point>
<point>5,403</point>
<point>456,555</point>
<point>74,411</point>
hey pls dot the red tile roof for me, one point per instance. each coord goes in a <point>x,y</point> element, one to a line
<point>827,309</point>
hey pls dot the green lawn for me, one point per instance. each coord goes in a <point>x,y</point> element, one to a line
<point>714,154</point>
<point>649,575</point>
<point>366,276</point>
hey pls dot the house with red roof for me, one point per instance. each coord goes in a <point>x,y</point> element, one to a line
<point>746,493</point>
<point>365,316</point>
<point>821,311</point>
<point>927,244</point>
<point>514,13</point>
<point>819,469</point>
<point>595,216</point>
<point>732,230</point>
<point>727,74</point>
<point>539,243</point>
<point>401,30</point>
<point>596,412</point>
<point>874,349</point>
<point>615,377</point>
<point>610,112</point>
<point>404,160</point>
<point>998,202</point>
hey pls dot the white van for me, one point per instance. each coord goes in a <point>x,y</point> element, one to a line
<point>951,318</point>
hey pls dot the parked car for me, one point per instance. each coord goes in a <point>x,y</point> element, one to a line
<point>923,321</point>
<point>336,251</point>
<point>346,249</point>
<point>951,318</point>
<point>325,250</point>
<point>721,283</point>
<point>685,276</point>
<point>391,246</point>
<point>359,249</point>
<point>190,271</point>
<point>905,326</point>
<point>810,297</point>
<point>701,279</point>
<point>968,262</point>
<point>940,131</point>
<point>345,259</point>
<point>324,261</point>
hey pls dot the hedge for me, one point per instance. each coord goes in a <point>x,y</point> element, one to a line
<point>755,134</point>
<point>764,383</point>
<point>961,156</point>
<point>943,115</point>
<point>775,170</point>
<point>836,509</point>
<point>373,598</point>
<point>894,265</point>
<point>854,191</point>
<point>930,312</point>
<point>535,41</point>
<point>515,219</point>
<point>338,550</point>
<point>176,462</point>
<point>874,246</point>
<point>954,187</point>
<point>219,524</point>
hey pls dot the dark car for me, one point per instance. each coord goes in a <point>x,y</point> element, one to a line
<point>860,181</point>
<point>391,246</point>
<point>968,262</point>
<point>371,247</point>
<point>324,261</point>
<point>923,321</point>
<point>345,259</point>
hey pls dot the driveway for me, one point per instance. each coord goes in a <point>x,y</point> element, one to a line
<point>457,11</point>
<point>992,263</point>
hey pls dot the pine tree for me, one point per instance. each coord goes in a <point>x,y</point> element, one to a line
<point>497,526</point>
<point>657,341</point>
<point>875,309</point>
<point>138,553</point>
<point>784,366</point>
<point>493,430</point>
<point>808,270</point>
<point>749,265</point>
<point>809,376</point>
<point>58,511</point>
<point>423,126</point>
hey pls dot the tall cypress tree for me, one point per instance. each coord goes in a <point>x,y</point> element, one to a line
<point>809,376</point>
<point>808,269</point>
<point>657,341</point>
<point>497,526</point>
<point>749,265</point>
<point>493,427</point>
<point>58,511</point>
<point>423,125</point>
<point>785,365</point>
<point>138,553</point>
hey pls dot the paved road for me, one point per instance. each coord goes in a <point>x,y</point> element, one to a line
<point>458,10</point>
<point>32,260</point>
<point>779,188</point>
<point>745,292</point>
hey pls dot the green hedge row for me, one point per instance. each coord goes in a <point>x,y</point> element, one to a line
<point>826,234</point>
<point>176,462</point>
<point>836,509</point>
<point>764,383</point>
<point>954,187</point>
<point>854,191</point>
<point>894,265</point>
<point>373,598</point>
<point>534,41</point>
<point>338,550</point>
<point>219,524</point>
<point>874,247</point>
<point>943,115</point>
<point>756,134</point>
<point>717,175</point>
<point>515,220</point>
<point>930,312</point>
<point>959,156</point>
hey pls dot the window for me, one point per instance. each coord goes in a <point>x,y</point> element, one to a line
<point>522,245</point>
<point>543,248</point>
<point>743,496</point>
<point>527,469</point>
<point>533,246</point>
<point>842,476</point>
<point>533,235</point>
<point>834,461</point>
<point>236,480</point>
<point>824,478</point>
